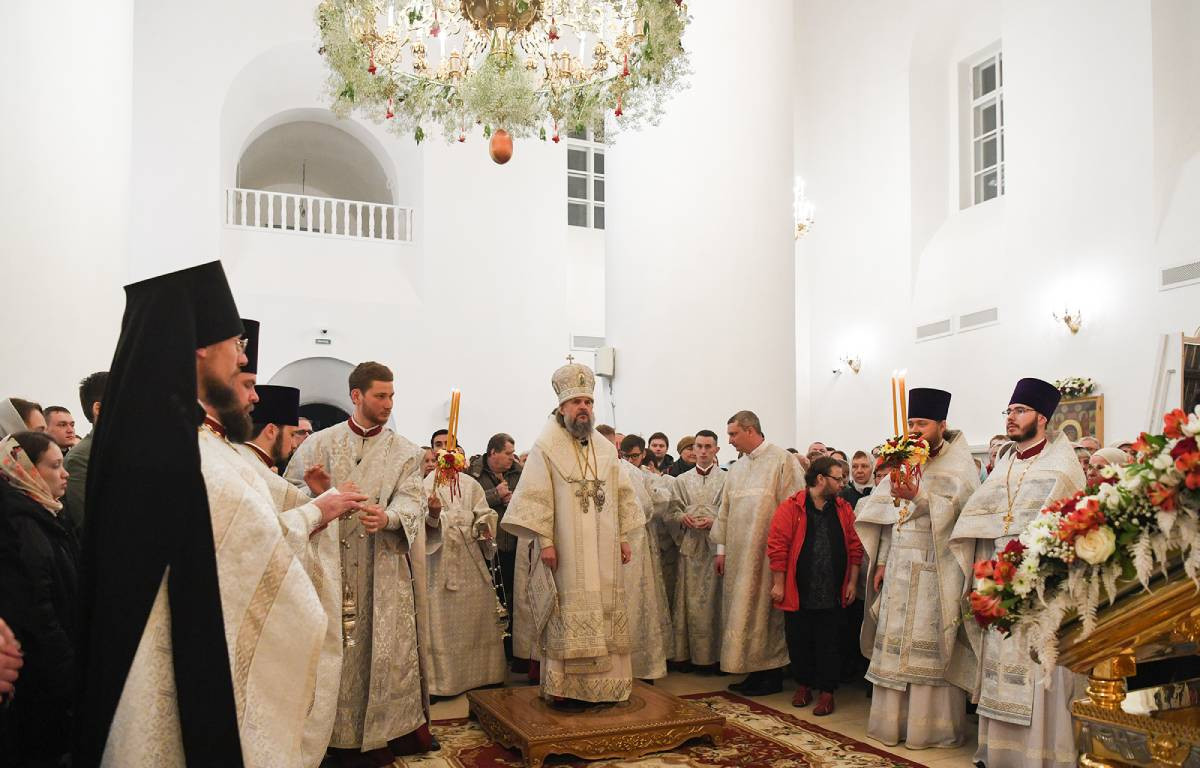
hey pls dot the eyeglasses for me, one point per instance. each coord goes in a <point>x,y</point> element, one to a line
<point>1019,410</point>
<point>838,480</point>
<point>242,344</point>
<point>304,432</point>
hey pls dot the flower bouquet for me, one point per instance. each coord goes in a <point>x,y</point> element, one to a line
<point>447,466</point>
<point>1116,533</point>
<point>903,455</point>
<point>1075,386</point>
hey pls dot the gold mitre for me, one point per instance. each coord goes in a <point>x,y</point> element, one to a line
<point>573,380</point>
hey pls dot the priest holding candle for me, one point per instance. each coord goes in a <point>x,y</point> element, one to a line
<point>921,659</point>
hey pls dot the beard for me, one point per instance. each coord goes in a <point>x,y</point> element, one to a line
<point>580,427</point>
<point>280,453</point>
<point>1027,434</point>
<point>231,413</point>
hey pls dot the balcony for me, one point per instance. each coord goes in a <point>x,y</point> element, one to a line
<point>317,216</point>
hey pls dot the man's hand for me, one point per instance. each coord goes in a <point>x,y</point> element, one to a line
<point>372,517</point>
<point>879,577</point>
<point>317,479</point>
<point>338,504</point>
<point>502,490</point>
<point>11,661</point>
<point>435,505</point>
<point>688,521</point>
<point>851,592</point>
<point>906,487</point>
<point>703,523</point>
<point>626,553</point>
<point>550,558</point>
<point>720,565</point>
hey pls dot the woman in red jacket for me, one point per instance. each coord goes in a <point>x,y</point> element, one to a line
<point>815,555</point>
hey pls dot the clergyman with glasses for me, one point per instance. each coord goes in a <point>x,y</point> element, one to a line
<point>1021,722</point>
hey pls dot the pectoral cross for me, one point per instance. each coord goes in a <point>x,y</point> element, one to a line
<point>590,489</point>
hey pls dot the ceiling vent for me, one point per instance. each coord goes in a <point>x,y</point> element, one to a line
<point>980,319</point>
<point>582,343</point>
<point>1178,277</point>
<point>936,330</point>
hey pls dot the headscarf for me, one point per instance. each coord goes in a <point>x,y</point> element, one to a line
<point>22,474</point>
<point>1114,456</point>
<point>10,419</point>
<point>148,515</point>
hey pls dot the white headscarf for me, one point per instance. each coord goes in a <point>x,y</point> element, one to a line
<point>10,421</point>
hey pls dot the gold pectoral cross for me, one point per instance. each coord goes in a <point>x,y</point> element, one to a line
<point>590,490</point>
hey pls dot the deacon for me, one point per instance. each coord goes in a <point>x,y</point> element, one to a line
<point>383,702</point>
<point>466,628</point>
<point>921,659</point>
<point>697,606</point>
<point>314,541</point>
<point>1021,723</point>
<point>649,621</point>
<point>752,640</point>
<point>573,513</point>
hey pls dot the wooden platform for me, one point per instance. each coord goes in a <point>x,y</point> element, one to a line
<point>651,721</point>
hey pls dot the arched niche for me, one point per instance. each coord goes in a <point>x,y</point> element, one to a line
<point>322,380</point>
<point>312,157</point>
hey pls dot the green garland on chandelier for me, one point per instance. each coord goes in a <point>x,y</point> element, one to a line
<point>504,91</point>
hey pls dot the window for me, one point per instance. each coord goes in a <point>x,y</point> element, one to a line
<point>585,179</point>
<point>987,128</point>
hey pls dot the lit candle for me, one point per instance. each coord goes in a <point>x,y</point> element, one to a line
<point>903,402</point>
<point>895,415</point>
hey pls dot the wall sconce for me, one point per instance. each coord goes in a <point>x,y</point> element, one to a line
<point>854,362</point>
<point>802,209</point>
<point>1073,320</point>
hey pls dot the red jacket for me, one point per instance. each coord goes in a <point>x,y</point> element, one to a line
<point>787,537</point>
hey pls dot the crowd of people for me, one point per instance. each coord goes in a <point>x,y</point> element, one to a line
<point>346,576</point>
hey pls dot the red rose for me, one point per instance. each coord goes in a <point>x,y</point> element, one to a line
<point>987,608</point>
<point>1184,447</point>
<point>985,569</point>
<point>1014,548</point>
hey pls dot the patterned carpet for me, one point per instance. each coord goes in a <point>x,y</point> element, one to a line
<point>754,736</point>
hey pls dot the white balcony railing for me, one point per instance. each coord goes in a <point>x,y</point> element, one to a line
<point>318,216</point>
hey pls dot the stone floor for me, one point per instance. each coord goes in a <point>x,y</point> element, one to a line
<point>850,717</point>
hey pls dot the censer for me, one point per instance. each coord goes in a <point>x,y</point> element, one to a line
<point>349,613</point>
<point>497,586</point>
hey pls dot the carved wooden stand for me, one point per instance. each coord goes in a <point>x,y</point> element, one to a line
<point>651,721</point>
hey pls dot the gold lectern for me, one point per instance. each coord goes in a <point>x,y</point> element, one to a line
<point>1156,726</point>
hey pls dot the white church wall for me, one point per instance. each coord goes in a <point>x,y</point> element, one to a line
<point>1075,228</point>
<point>64,200</point>
<point>701,283</point>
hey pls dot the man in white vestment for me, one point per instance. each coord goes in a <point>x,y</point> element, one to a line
<point>466,630</point>
<point>315,542</point>
<point>921,660</point>
<point>383,700</point>
<point>649,622</point>
<point>572,514</point>
<point>752,639</point>
<point>696,617</point>
<point>1021,722</point>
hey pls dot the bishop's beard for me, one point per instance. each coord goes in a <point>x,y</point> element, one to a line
<point>579,427</point>
<point>235,419</point>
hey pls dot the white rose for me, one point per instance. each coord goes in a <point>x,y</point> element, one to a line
<point>1163,461</point>
<point>1096,546</point>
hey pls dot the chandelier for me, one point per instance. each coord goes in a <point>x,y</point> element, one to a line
<point>518,68</point>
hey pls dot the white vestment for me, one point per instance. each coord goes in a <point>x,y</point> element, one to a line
<point>752,639</point>
<point>576,618</point>
<point>318,552</point>
<point>467,648</point>
<point>921,659</point>
<point>649,624</point>
<point>1021,722</point>
<point>696,617</point>
<point>274,626</point>
<point>382,694</point>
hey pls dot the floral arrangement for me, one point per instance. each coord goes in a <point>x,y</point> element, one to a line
<point>903,452</point>
<point>1105,536</point>
<point>1075,386</point>
<point>448,465</point>
<point>491,84</point>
